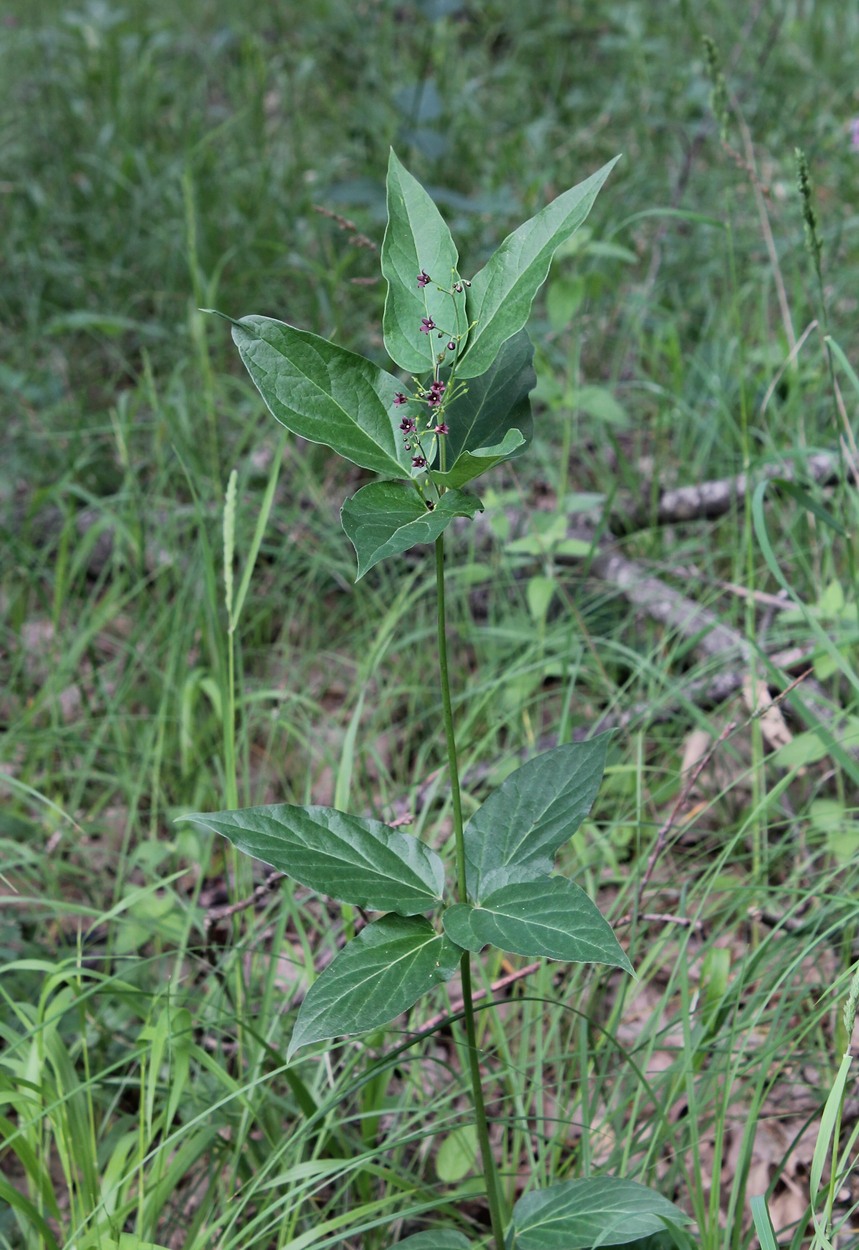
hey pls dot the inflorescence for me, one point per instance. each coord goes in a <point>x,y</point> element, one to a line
<point>433,398</point>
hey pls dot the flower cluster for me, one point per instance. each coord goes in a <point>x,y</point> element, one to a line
<point>430,423</point>
<point>410,428</point>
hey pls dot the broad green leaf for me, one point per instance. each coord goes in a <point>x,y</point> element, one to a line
<point>417,241</point>
<point>379,975</point>
<point>547,917</point>
<point>386,518</point>
<point>350,858</point>
<point>494,408</point>
<point>457,1154</point>
<point>500,296</point>
<point>472,463</point>
<point>324,393</point>
<point>534,812</point>
<point>435,1239</point>
<point>595,1211</point>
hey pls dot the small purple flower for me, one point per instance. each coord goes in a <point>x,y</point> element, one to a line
<point>441,428</point>
<point>423,278</point>
<point>419,462</point>
<point>451,347</point>
<point>407,425</point>
<point>400,399</point>
<point>457,286</point>
<point>436,394</point>
<point>427,324</point>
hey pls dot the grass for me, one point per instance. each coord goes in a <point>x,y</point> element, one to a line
<point>156,162</point>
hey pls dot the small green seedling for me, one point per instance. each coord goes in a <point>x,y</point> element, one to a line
<point>466,408</point>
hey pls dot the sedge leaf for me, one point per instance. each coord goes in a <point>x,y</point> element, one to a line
<point>417,241</point>
<point>500,296</point>
<point>546,917</point>
<point>534,812</point>
<point>324,393</point>
<point>377,976</point>
<point>350,858</point>
<point>594,1211</point>
<point>387,518</point>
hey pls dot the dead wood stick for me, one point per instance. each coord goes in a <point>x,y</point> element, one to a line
<point>715,498</point>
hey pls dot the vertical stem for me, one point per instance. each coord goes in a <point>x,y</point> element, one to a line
<point>490,1172</point>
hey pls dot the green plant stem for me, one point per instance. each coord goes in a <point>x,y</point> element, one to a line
<point>493,1188</point>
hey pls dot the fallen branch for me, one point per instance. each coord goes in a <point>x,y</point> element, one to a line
<point>715,498</point>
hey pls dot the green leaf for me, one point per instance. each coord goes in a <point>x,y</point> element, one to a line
<point>805,500</point>
<point>763,1223</point>
<point>435,1239</point>
<point>599,402</point>
<point>379,975</point>
<point>472,463</point>
<point>386,518</point>
<point>500,296</point>
<point>595,1211</point>
<point>457,1154</point>
<point>350,858</point>
<point>546,917</point>
<point>534,811</point>
<point>324,393</point>
<point>417,240</point>
<point>484,420</point>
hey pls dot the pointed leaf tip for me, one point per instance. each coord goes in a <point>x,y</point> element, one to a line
<point>501,294</point>
<point>378,975</point>
<point>351,858</point>
<point>419,261</point>
<point>326,394</point>
<point>542,918</point>
<point>214,312</point>
<point>534,811</point>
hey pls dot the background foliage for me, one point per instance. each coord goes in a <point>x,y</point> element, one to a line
<point>160,158</point>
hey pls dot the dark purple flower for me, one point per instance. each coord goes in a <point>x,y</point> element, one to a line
<point>407,425</point>
<point>419,462</point>
<point>427,324</point>
<point>423,278</point>
<point>400,399</point>
<point>451,347</point>
<point>441,428</point>
<point>436,394</point>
